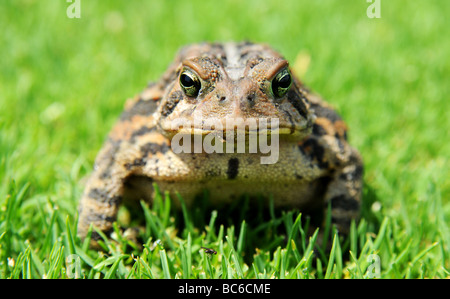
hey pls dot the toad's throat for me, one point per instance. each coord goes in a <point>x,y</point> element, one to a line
<point>195,141</point>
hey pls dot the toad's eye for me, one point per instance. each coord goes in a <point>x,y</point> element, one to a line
<point>281,83</point>
<point>190,83</point>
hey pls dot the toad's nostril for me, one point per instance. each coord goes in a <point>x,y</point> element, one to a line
<point>221,98</point>
<point>251,97</point>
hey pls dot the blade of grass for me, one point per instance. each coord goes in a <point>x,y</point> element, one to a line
<point>87,239</point>
<point>112,271</point>
<point>38,266</point>
<point>303,263</point>
<point>56,259</point>
<point>81,253</point>
<point>18,265</point>
<point>338,256</point>
<point>167,208</point>
<point>154,224</point>
<point>48,235</point>
<point>421,254</point>
<point>241,239</point>
<point>207,264</point>
<point>184,263</point>
<point>353,238</point>
<point>211,232</point>
<point>187,220</point>
<point>294,250</point>
<point>235,257</point>
<point>225,261</point>
<point>69,238</point>
<point>146,267</point>
<point>312,242</point>
<point>394,265</point>
<point>292,235</point>
<point>189,254</point>
<point>327,227</point>
<point>359,273</point>
<point>381,234</point>
<point>165,264</point>
<point>331,264</point>
<point>27,267</point>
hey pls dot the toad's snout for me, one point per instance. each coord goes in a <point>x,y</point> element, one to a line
<point>239,97</point>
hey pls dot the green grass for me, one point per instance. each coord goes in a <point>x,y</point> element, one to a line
<point>63,83</point>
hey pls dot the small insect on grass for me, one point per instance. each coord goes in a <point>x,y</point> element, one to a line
<point>209,250</point>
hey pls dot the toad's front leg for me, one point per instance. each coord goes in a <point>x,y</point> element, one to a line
<point>344,193</point>
<point>104,191</point>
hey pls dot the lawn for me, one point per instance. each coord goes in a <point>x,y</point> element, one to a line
<point>63,83</point>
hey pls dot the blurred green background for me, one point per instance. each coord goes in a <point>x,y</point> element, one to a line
<point>63,83</point>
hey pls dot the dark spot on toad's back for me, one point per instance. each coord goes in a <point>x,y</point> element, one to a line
<point>312,149</point>
<point>325,112</point>
<point>233,168</point>
<point>141,107</point>
<point>153,148</point>
<point>103,196</point>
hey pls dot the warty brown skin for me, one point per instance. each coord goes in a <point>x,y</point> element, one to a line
<point>316,165</point>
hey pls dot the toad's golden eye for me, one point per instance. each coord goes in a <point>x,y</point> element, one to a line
<point>281,83</point>
<point>190,83</point>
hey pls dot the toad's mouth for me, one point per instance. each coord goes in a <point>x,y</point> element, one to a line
<point>247,131</point>
<point>260,126</point>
